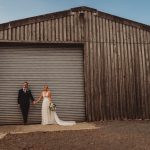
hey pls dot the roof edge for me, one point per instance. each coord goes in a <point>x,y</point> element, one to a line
<point>35,19</point>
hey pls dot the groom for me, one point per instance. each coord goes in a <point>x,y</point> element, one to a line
<point>24,96</point>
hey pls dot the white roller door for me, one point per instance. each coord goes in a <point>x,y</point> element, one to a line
<point>60,68</point>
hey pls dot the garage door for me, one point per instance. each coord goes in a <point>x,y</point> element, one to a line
<point>60,68</point>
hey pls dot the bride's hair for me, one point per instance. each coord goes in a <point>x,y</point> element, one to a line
<point>45,88</point>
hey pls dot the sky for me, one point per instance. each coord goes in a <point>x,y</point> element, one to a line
<point>137,10</point>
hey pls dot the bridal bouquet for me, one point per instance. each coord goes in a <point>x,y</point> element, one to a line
<point>52,106</point>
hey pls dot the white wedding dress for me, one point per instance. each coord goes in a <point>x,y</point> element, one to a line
<point>51,117</point>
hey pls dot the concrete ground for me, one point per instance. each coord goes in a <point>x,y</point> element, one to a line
<point>19,129</point>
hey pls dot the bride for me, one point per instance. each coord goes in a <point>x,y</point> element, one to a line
<point>48,116</point>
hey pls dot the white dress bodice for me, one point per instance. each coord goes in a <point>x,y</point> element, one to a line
<point>45,94</point>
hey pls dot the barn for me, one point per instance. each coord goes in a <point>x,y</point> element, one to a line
<point>97,65</point>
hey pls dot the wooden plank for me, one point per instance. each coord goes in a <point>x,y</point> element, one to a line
<point>105,82</point>
<point>148,69</point>
<point>68,28</point>
<point>87,73</point>
<point>18,33</point>
<point>108,70</point>
<point>72,27</point>
<point>113,71</point>
<point>104,30</point>
<point>5,34</point>
<point>125,70</point>
<point>93,65</point>
<point>60,30</point>
<point>87,83</point>
<point>49,30</point>
<point>52,30</point>
<point>82,28</point>
<point>37,31</point>
<point>108,81</point>
<point>22,33</point>
<point>115,53</point>
<point>146,63</point>
<point>75,27</point>
<point>122,74</point>
<point>26,32</point>
<point>64,29</point>
<point>109,40</point>
<point>144,75</point>
<point>129,72</point>
<point>79,26</point>
<point>45,36</point>
<point>101,81</point>
<point>107,31</point>
<point>119,80</point>
<point>13,34</point>
<point>9,34</point>
<point>29,32</point>
<point>141,75</point>
<point>99,114</point>
<point>91,70</point>
<point>41,31</point>
<point>136,76</point>
<point>95,78</point>
<point>1,35</point>
<point>133,92</point>
<point>101,30</point>
<point>33,37</point>
<point>57,30</point>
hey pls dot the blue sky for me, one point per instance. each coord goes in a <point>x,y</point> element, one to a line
<point>137,10</point>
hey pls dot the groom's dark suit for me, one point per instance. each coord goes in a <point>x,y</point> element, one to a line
<point>24,102</point>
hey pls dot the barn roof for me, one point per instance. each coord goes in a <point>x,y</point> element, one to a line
<point>59,14</point>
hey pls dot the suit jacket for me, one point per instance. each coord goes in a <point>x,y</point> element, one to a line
<point>24,97</point>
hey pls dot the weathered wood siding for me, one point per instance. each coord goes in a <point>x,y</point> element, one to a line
<point>116,59</point>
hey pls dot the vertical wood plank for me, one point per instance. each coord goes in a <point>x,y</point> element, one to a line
<point>18,33</point>
<point>75,27</point>
<point>143,74</point>
<point>37,31</point>
<point>41,33</point>
<point>57,30</point>
<point>22,33</point>
<point>1,35</point>
<point>87,71</point>
<point>90,65</point>
<point>9,33</point>
<point>99,98</point>
<point>49,30</point>
<point>68,28</point>
<point>72,26</point>
<point>25,32</point>
<point>45,37</point>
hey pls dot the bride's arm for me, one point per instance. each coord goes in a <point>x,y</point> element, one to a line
<point>40,97</point>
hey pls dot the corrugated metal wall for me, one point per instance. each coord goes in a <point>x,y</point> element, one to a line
<point>60,68</point>
<point>116,59</point>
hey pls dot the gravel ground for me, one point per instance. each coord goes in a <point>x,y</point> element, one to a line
<point>111,135</point>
